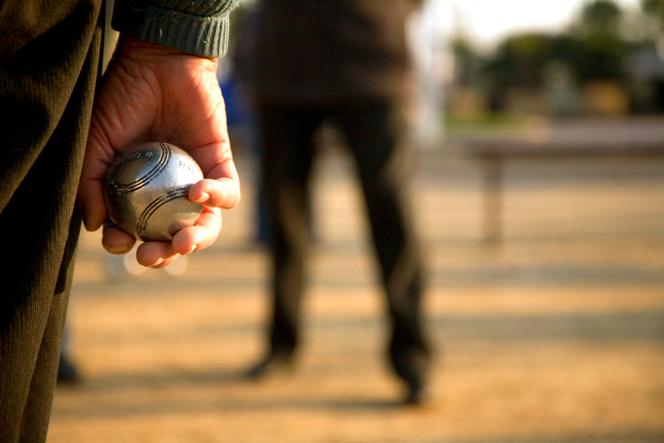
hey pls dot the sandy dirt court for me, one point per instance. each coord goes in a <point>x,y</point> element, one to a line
<point>556,336</point>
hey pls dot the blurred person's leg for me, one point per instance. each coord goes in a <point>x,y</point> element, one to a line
<point>261,209</point>
<point>287,163</point>
<point>384,166</point>
<point>262,227</point>
<point>242,121</point>
<point>68,372</point>
<point>48,66</point>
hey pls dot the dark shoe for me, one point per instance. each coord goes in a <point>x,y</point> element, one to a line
<point>67,372</point>
<point>417,394</point>
<point>272,364</point>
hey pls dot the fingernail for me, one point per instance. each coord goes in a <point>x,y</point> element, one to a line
<point>120,248</point>
<point>158,262</point>
<point>203,198</point>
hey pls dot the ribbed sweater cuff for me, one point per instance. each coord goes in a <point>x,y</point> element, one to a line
<point>205,35</point>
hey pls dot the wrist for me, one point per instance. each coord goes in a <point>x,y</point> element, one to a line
<point>133,46</point>
<point>135,54</point>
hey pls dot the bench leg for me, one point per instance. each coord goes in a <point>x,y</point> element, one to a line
<point>492,227</point>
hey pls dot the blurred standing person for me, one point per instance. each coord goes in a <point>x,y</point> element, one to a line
<point>242,78</point>
<point>57,145</point>
<point>347,62</point>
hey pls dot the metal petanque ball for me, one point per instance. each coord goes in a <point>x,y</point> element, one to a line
<point>146,191</point>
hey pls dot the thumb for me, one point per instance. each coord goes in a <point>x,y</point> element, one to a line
<point>98,156</point>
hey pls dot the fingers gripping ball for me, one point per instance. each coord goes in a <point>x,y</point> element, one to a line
<point>146,191</point>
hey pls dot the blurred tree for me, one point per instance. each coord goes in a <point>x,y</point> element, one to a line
<point>467,61</point>
<point>653,23</point>
<point>654,9</point>
<point>593,51</point>
<point>517,63</point>
<point>648,58</point>
<point>600,57</point>
<point>600,17</point>
<point>600,48</point>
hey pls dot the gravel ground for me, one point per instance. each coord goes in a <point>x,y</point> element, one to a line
<point>557,336</point>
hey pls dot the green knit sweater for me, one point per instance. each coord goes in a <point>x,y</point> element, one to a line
<point>196,26</point>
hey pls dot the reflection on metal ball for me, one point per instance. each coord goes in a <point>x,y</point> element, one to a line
<point>146,191</point>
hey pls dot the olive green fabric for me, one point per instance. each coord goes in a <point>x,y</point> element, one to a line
<point>197,26</point>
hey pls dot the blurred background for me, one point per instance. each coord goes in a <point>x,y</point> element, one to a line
<point>538,129</point>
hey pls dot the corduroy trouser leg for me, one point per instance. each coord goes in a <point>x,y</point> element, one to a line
<point>48,70</point>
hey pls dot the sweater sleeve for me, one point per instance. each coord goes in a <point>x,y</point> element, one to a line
<point>196,26</point>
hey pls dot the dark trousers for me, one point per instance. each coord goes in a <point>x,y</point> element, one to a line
<point>48,69</point>
<point>372,133</point>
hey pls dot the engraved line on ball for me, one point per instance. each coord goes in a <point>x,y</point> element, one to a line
<point>164,157</point>
<point>142,223</point>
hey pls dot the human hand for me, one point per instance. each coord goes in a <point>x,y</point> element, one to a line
<point>154,93</point>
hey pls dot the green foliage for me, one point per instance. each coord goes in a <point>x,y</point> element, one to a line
<point>655,10</point>
<point>600,57</point>
<point>600,51</point>
<point>600,16</point>
<point>485,123</point>
<point>595,47</point>
<point>518,61</point>
<point>468,61</point>
<point>592,50</point>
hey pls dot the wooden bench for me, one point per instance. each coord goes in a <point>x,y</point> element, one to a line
<point>637,138</point>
